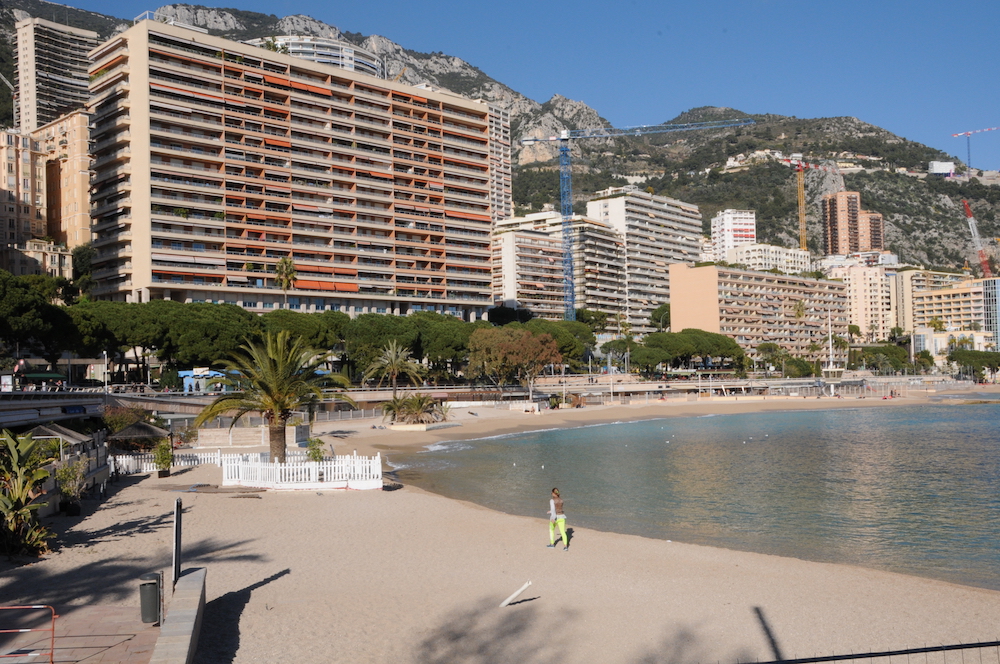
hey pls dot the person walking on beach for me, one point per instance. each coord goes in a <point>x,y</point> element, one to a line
<point>557,517</point>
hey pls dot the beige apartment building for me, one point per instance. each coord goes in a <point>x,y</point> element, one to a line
<point>959,306</point>
<point>50,71</point>
<point>66,142</point>
<point>869,296</point>
<point>598,258</point>
<point>528,272</point>
<point>656,231</point>
<point>907,282</point>
<point>215,159</point>
<point>37,257</point>
<point>847,228</point>
<point>22,188</point>
<point>759,307</point>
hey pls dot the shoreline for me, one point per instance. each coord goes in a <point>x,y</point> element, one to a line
<point>414,576</point>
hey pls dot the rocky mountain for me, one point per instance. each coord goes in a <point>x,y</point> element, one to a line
<point>924,218</point>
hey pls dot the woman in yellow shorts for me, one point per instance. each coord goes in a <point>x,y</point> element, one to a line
<point>557,517</point>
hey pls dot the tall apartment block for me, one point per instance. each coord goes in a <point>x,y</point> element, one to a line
<point>656,231</point>
<point>869,297</point>
<point>847,228</point>
<point>598,253</point>
<point>215,159</point>
<point>528,272</point>
<point>66,142</point>
<point>50,71</point>
<point>757,307</point>
<point>501,175</point>
<point>333,52</point>
<point>22,204</point>
<point>732,228</point>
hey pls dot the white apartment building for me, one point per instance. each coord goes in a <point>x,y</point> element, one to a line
<point>598,257</point>
<point>765,257</point>
<point>939,344</point>
<point>528,272</point>
<point>50,71</point>
<point>656,232</point>
<point>732,228</point>
<point>869,298</point>
<point>324,50</point>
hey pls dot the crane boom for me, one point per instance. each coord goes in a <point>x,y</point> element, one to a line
<point>977,241</point>
<point>800,181</point>
<point>566,178</point>
<point>6,82</point>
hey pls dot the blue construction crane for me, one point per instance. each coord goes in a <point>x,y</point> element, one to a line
<point>566,178</point>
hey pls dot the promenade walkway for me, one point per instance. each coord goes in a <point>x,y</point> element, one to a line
<point>86,634</point>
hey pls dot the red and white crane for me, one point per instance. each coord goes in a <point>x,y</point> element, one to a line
<point>977,241</point>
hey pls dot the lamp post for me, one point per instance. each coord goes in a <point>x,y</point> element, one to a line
<point>659,320</point>
<point>105,373</point>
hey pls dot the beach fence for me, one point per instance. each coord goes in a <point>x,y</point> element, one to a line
<point>340,472</point>
<point>256,470</point>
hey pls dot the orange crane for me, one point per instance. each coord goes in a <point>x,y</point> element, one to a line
<point>977,241</point>
<point>800,177</point>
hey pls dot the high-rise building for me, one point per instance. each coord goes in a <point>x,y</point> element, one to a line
<point>869,297</point>
<point>66,142</point>
<point>324,50</point>
<point>50,71</point>
<point>732,228</point>
<point>958,306</point>
<point>215,159</point>
<point>847,228</point>
<point>22,189</point>
<point>907,281</point>
<point>598,258</point>
<point>528,272</point>
<point>795,313</point>
<point>501,178</point>
<point>656,231</point>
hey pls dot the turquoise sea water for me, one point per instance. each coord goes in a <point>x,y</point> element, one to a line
<point>911,490</point>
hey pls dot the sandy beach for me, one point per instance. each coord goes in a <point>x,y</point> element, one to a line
<point>369,576</point>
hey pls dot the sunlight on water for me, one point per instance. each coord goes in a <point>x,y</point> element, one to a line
<point>911,490</point>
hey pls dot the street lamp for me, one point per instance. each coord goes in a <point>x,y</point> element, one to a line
<point>659,320</point>
<point>105,372</point>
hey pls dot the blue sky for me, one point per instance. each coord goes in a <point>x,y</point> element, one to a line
<point>923,70</point>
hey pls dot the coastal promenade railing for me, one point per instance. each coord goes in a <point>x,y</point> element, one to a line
<point>340,472</point>
<point>255,469</point>
<point>983,652</point>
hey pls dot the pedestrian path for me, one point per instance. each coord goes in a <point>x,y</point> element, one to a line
<point>86,634</point>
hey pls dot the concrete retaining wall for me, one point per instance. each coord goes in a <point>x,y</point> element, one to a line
<point>179,632</point>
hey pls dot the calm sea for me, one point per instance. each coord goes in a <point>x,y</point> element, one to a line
<point>911,490</point>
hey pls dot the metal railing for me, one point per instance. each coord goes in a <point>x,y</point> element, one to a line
<point>20,653</point>
<point>989,648</point>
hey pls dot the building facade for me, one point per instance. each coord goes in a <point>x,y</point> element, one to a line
<point>22,189</point>
<point>528,272</point>
<point>598,257</point>
<point>731,229</point>
<point>66,142</point>
<point>847,228</point>
<point>759,307</point>
<point>215,159</point>
<point>324,50</point>
<point>906,282</point>
<point>869,296</point>
<point>50,71</point>
<point>656,231</point>
<point>959,306</point>
<point>762,257</point>
<point>37,257</point>
<point>501,174</point>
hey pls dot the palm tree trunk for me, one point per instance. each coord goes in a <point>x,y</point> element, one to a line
<point>393,386</point>
<point>276,441</point>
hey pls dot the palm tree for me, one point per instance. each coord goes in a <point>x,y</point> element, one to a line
<point>284,276</point>
<point>274,378</point>
<point>392,363</point>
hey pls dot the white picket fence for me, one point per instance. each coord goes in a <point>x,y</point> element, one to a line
<point>256,470</point>
<point>340,472</point>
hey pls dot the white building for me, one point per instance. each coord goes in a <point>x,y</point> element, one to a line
<point>765,257</point>
<point>328,52</point>
<point>528,272</point>
<point>656,231</point>
<point>598,257</point>
<point>941,343</point>
<point>732,228</point>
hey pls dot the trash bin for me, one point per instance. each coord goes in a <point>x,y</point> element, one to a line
<point>149,597</point>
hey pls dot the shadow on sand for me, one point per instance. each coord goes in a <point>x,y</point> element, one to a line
<point>220,630</point>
